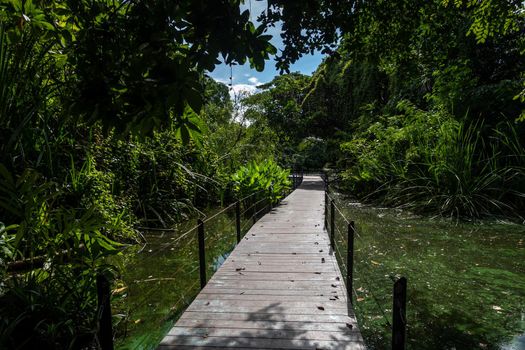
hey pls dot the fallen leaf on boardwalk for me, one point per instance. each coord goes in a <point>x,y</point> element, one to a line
<point>322,260</point>
<point>240,269</point>
<point>316,243</point>
<point>317,273</point>
<point>320,308</point>
<point>337,279</point>
<point>349,325</point>
<point>208,303</point>
<point>320,251</point>
<point>242,293</point>
<point>334,285</point>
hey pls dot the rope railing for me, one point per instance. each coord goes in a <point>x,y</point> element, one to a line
<point>334,216</point>
<point>251,210</point>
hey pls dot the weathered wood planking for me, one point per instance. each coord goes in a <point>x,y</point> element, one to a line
<point>280,288</point>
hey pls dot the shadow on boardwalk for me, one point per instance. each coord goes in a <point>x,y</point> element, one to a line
<point>267,328</point>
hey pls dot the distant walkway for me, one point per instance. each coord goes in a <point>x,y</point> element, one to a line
<point>280,288</point>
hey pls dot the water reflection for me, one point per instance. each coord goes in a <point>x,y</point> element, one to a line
<point>159,280</point>
<point>466,281</point>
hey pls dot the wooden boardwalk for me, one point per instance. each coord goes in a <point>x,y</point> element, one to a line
<point>280,288</point>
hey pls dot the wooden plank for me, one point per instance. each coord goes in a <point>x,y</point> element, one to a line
<point>298,292</point>
<point>280,288</point>
<point>291,284</point>
<point>267,343</point>
<point>270,297</point>
<point>278,276</point>
<point>229,305</point>
<point>285,333</point>
<point>273,317</point>
<point>269,325</point>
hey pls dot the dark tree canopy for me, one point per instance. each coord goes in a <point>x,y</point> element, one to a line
<point>134,65</point>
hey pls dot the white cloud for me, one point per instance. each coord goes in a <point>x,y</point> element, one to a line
<point>242,88</point>
<point>223,81</point>
<point>253,80</point>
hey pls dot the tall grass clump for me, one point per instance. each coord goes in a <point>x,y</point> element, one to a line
<point>429,162</point>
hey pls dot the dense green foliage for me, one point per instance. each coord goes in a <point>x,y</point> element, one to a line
<point>419,106</point>
<point>107,123</point>
<point>266,177</point>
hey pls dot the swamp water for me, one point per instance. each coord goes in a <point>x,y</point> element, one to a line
<point>161,278</point>
<point>466,281</point>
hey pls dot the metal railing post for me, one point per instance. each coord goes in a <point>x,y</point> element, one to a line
<point>105,329</point>
<point>332,224</point>
<point>350,262</point>
<point>202,255</point>
<point>238,220</point>
<point>399,314</point>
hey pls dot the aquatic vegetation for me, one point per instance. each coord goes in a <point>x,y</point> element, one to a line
<point>466,284</point>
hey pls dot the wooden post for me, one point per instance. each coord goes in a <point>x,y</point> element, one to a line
<point>326,210</point>
<point>254,210</point>
<point>202,255</point>
<point>238,220</point>
<point>332,224</point>
<point>105,329</point>
<point>399,314</point>
<point>270,198</point>
<point>350,262</point>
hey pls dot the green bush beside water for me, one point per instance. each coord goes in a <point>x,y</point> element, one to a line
<point>73,191</point>
<point>431,162</point>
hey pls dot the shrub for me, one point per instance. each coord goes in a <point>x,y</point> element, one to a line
<point>267,177</point>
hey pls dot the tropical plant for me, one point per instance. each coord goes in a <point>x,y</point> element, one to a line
<point>266,177</point>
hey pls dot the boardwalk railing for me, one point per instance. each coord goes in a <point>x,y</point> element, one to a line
<point>246,210</point>
<point>347,237</point>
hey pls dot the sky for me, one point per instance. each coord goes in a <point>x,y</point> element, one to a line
<point>245,78</point>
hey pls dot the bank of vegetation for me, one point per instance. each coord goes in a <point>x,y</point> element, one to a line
<point>108,123</point>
